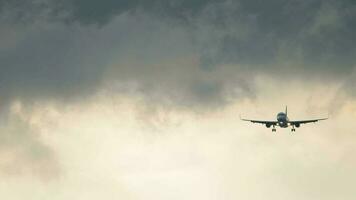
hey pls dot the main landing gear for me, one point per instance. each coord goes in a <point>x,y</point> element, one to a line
<point>274,129</point>
<point>293,129</point>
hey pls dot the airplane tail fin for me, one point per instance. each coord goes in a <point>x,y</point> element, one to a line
<point>287,110</point>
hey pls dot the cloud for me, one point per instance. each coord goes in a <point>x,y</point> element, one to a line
<point>102,148</point>
<point>249,34</point>
<point>22,150</point>
<point>185,55</point>
<point>88,12</point>
<point>59,52</point>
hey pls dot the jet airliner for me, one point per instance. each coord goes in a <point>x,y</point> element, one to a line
<point>283,121</point>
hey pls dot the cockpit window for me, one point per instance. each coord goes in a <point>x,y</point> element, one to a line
<point>281,116</point>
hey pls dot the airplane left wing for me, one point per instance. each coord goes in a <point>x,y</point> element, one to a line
<point>306,121</point>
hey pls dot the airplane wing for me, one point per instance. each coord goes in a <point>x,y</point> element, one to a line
<point>306,121</point>
<point>270,123</point>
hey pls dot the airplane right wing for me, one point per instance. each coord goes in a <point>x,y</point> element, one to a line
<point>267,123</point>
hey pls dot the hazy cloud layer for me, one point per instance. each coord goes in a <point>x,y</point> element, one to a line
<point>105,153</point>
<point>22,149</point>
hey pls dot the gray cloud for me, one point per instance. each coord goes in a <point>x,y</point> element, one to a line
<point>195,55</point>
<point>101,12</point>
<point>322,30</point>
<point>47,58</point>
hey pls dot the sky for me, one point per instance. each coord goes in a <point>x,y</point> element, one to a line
<point>139,100</point>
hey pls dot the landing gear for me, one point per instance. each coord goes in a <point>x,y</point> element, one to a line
<point>274,129</point>
<point>293,129</point>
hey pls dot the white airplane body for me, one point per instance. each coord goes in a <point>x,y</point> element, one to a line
<point>283,121</point>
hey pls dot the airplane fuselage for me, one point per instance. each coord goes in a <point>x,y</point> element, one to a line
<point>282,119</point>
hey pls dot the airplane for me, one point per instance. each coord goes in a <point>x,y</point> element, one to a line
<point>283,121</point>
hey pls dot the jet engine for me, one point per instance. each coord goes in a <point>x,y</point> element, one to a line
<point>297,125</point>
<point>268,125</point>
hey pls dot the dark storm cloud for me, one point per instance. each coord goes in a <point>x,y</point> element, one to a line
<point>322,30</point>
<point>48,58</point>
<point>317,34</point>
<point>46,63</point>
<point>91,11</point>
